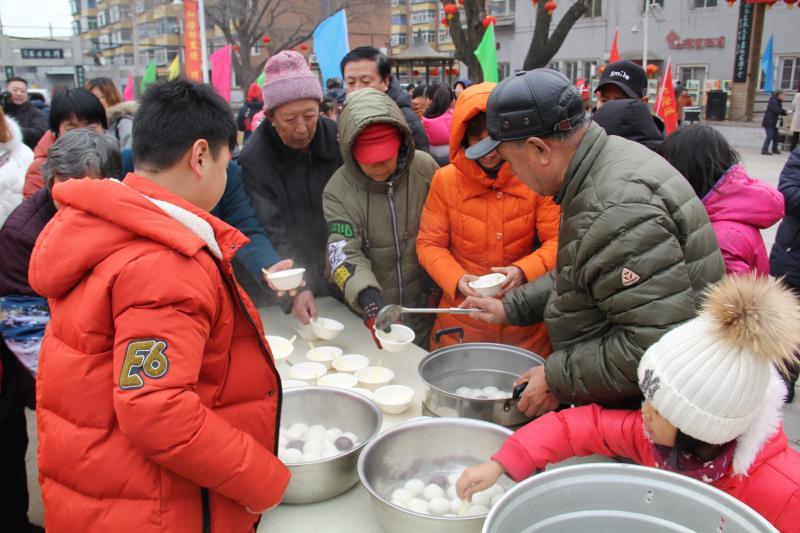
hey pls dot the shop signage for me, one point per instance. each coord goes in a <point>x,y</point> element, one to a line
<point>191,40</point>
<point>743,30</point>
<point>675,42</point>
<point>42,53</point>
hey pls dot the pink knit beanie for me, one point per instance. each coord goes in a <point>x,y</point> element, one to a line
<point>287,78</point>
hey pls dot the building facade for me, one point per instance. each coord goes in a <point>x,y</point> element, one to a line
<point>44,63</point>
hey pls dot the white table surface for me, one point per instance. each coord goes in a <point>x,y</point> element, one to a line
<point>352,511</point>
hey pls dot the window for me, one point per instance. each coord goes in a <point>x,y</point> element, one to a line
<point>123,36</point>
<point>161,56</point>
<point>587,69</point>
<point>444,36</point>
<point>76,27</point>
<point>697,75</point>
<point>789,73</point>
<point>553,65</point>
<point>399,20</point>
<point>428,36</point>
<point>396,3</point>
<point>700,4</point>
<point>102,19</point>
<point>422,1</point>
<point>117,13</point>
<point>123,60</point>
<point>500,8</point>
<point>503,70</point>
<point>595,9</point>
<point>570,70</point>
<point>399,39</point>
<point>74,6</point>
<point>423,17</point>
<point>255,50</point>
<point>652,2</point>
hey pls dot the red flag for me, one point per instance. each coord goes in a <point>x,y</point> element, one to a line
<point>614,49</point>
<point>127,94</point>
<point>666,106</point>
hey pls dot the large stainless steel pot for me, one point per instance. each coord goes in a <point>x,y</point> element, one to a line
<point>619,498</point>
<point>424,448</point>
<point>321,480</point>
<point>474,364</point>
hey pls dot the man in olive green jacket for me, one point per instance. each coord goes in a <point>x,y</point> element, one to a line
<point>372,205</point>
<point>635,246</point>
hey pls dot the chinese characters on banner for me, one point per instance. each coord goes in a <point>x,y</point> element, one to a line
<point>191,36</point>
<point>675,42</point>
<point>743,31</point>
<point>666,107</point>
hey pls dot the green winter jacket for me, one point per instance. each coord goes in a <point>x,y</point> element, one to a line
<point>635,251</point>
<point>373,226</point>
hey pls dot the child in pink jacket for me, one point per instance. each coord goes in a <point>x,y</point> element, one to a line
<point>737,205</point>
<point>712,408</point>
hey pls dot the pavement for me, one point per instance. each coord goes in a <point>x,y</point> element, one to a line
<point>765,168</point>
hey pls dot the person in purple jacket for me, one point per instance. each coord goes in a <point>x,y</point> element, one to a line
<point>737,205</point>
<point>24,314</point>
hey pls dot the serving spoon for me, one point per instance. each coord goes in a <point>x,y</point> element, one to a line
<point>390,313</point>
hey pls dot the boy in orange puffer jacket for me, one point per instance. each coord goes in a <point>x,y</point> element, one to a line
<point>157,399</point>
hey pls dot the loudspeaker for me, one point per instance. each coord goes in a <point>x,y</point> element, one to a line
<point>716,105</point>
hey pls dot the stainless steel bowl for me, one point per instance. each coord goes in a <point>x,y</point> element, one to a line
<point>423,448</point>
<point>316,481</point>
<point>619,498</point>
<point>474,364</point>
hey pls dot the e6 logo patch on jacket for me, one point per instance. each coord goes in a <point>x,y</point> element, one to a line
<point>143,356</point>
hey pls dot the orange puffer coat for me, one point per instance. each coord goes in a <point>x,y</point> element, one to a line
<point>157,399</point>
<point>471,223</point>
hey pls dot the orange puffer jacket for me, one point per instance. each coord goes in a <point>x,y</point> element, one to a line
<point>158,402</point>
<point>471,223</point>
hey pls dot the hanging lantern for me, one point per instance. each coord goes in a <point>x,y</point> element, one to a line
<point>444,21</point>
<point>235,47</point>
<point>461,2</point>
<point>790,3</point>
<point>266,39</point>
<point>434,72</point>
<point>771,3</point>
<point>652,69</point>
<point>491,19</point>
<point>415,73</point>
<point>550,7</point>
<point>451,10</point>
<point>534,2</point>
<point>303,47</point>
<point>731,3</point>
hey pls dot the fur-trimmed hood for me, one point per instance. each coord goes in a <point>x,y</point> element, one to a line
<point>121,110</point>
<point>15,142</point>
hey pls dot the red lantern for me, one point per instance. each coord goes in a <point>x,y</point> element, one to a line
<point>551,6</point>
<point>444,22</point>
<point>235,47</point>
<point>303,47</point>
<point>652,69</point>
<point>266,39</point>
<point>491,19</point>
<point>771,3</point>
<point>461,2</point>
<point>731,3</point>
<point>434,72</point>
<point>415,73</point>
<point>790,3</point>
<point>534,2</point>
<point>451,10</point>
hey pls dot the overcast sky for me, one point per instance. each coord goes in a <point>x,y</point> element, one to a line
<point>30,18</point>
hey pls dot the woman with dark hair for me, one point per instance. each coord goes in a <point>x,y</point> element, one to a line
<point>737,205</point>
<point>69,110</point>
<point>436,121</point>
<point>120,113</point>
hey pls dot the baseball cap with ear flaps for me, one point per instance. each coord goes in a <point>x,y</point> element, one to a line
<point>537,103</point>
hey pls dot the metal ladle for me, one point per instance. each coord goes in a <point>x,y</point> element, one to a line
<point>390,313</point>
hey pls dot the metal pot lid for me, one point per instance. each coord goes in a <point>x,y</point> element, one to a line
<point>619,498</point>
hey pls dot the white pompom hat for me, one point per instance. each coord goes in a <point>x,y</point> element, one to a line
<point>709,377</point>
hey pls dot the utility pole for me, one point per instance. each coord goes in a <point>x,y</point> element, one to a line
<point>201,15</point>
<point>645,32</point>
<point>135,35</point>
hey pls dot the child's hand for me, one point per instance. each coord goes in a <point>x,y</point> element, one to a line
<point>478,478</point>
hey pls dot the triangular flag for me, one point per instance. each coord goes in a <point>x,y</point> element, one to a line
<point>127,94</point>
<point>174,68</point>
<point>614,49</point>
<point>149,78</point>
<point>487,55</point>
<point>260,79</point>
<point>331,44</point>
<point>666,106</point>
<point>767,66</point>
<point>221,71</point>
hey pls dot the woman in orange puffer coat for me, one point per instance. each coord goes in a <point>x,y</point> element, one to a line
<point>479,218</point>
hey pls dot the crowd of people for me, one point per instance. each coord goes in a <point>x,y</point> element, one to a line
<point>131,272</point>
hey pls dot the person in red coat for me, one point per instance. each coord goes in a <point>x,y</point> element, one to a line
<point>712,408</point>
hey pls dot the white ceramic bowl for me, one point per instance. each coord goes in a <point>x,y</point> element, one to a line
<point>308,372</point>
<point>340,381</point>
<point>291,383</point>
<point>304,332</point>
<point>281,348</point>
<point>351,362</point>
<point>323,354</point>
<point>394,399</point>
<point>373,377</point>
<point>326,328</point>
<point>285,280</point>
<point>488,285</point>
<point>397,339</point>
<point>364,392</point>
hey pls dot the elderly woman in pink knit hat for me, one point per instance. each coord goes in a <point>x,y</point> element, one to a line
<point>287,162</point>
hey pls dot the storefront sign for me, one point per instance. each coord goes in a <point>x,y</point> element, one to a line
<point>675,42</point>
<point>42,53</point>
<point>191,27</point>
<point>743,31</point>
<point>80,76</point>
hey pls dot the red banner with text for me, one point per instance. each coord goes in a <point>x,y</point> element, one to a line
<point>191,41</point>
<point>666,106</point>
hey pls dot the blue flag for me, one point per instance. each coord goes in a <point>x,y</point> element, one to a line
<point>331,44</point>
<point>767,66</point>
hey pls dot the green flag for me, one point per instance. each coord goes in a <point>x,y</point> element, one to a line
<point>260,79</point>
<point>487,55</point>
<point>149,77</point>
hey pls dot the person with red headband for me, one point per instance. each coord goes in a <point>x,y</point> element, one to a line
<point>372,205</point>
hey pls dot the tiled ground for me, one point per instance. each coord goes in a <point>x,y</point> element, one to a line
<point>766,168</point>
